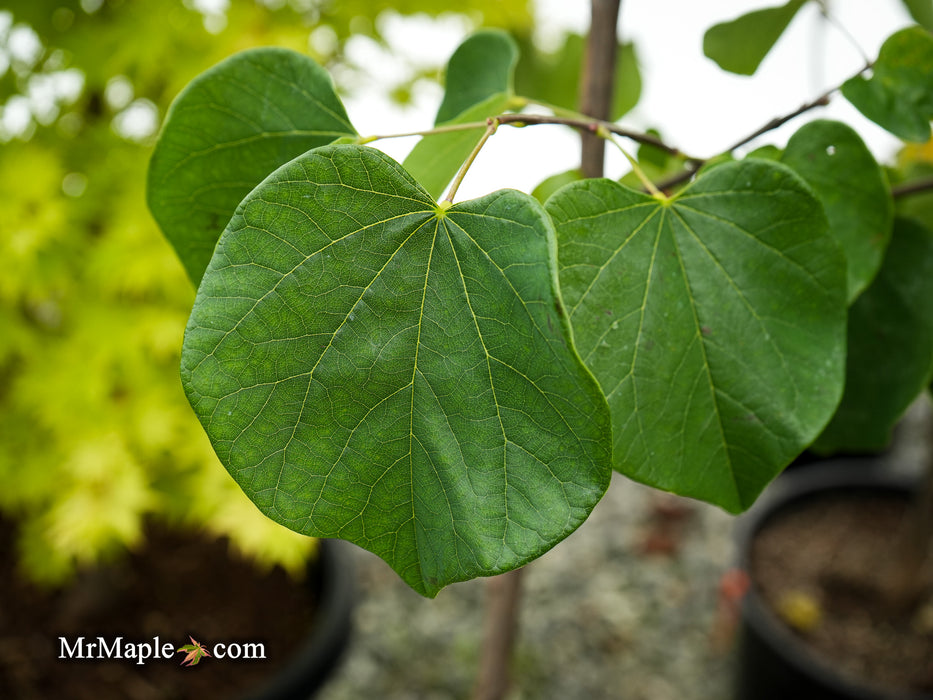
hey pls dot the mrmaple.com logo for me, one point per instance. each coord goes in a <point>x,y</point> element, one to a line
<point>103,649</point>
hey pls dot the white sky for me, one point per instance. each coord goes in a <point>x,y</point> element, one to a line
<point>696,106</point>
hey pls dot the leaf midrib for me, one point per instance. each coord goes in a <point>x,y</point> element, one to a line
<point>698,336</point>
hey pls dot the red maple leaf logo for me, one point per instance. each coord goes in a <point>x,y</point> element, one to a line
<point>195,652</point>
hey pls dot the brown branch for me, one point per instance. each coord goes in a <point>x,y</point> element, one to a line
<point>820,101</point>
<point>906,189</point>
<point>594,126</point>
<point>591,126</point>
<point>695,165</point>
<point>596,81</point>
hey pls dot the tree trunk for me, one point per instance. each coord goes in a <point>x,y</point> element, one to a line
<point>503,597</point>
<point>597,80</point>
<point>503,593</point>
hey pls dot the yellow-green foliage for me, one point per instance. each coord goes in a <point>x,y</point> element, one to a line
<point>97,433</point>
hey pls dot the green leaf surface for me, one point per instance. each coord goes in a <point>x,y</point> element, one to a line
<point>853,190</point>
<point>225,132</point>
<point>890,358</point>
<point>482,66</point>
<point>714,322</point>
<point>371,366</point>
<point>739,46</point>
<point>899,94</point>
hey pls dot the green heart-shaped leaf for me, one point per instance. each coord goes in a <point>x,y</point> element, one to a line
<point>482,66</point>
<point>890,348</point>
<point>227,130</point>
<point>899,95</point>
<point>374,367</point>
<point>853,190</point>
<point>739,46</point>
<point>478,86</point>
<point>715,323</point>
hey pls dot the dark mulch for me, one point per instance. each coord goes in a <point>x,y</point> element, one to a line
<point>179,585</point>
<point>834,550</point>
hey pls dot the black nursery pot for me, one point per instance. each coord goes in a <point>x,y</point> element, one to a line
<point>772,663</point>
<point>319,655</point>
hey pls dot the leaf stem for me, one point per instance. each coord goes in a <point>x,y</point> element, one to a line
<point>449,128</point>
<point>571,119</point>
<point>491,125</point>
<point>841,28</point>
<point>639,173</point>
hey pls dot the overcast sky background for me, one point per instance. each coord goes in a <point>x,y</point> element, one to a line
<point>694,104</point>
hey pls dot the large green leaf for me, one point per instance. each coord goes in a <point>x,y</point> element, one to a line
<point>853,190</point>
<point>715,323</point>
<point>890,358</point>
<point>478,86</point>
<point>232,126</point>
<point>899,94</point>
<point>374,367</point>
<point>739,46</point>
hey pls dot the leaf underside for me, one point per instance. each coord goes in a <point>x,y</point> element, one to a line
<point>853,190</point>
<point>899,95</point>
<point>715,323</point>
<point>371,367</point>
<point>482,66</point>
<point>479,85</point>
<point>921,11</point>
<point>227,130</point>
<point>739,46</point>
<point>890,346</point>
